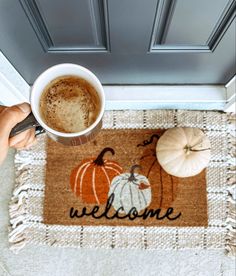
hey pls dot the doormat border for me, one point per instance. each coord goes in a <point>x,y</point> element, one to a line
<point>26,206</point>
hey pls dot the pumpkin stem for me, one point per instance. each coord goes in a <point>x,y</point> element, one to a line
<point>188,149</point>
<point>147,142</point>
<point>99,160</point>
<point>132,177</point>
<point>199,150</point>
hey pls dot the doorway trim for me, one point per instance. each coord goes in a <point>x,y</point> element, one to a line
<point>13,88</point>
<point>231,96</point>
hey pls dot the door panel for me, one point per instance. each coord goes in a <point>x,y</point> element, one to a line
<point>193,21</point>
<point>72,25</point>
<point>125,41</point>
<point>189,25</point>
<point>75,27</point>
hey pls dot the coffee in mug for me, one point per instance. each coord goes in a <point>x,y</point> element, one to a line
<point>69,104</point>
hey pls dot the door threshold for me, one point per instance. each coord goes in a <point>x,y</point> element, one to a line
<point>193,97</point>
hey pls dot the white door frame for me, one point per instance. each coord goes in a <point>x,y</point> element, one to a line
<point>231,95</point>
<point>14,89</point>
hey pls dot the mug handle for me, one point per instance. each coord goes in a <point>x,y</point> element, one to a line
<point>27,123</point>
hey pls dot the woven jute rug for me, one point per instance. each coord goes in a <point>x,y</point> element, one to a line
<point>46,194</point>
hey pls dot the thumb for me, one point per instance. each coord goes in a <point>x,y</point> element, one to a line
<point>10,116</point>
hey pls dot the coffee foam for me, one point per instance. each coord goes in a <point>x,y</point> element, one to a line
<point>69,104</point>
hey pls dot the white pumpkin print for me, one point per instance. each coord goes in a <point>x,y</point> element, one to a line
<point>130,190</point>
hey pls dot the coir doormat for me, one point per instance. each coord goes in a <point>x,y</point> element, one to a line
<point>89,184</point>
<point>47,204</point>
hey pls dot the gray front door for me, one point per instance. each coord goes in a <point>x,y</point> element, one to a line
<point>123,41</point>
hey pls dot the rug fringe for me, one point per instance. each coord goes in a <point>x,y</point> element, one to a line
<point>17,206</point>
<point>231,200</point>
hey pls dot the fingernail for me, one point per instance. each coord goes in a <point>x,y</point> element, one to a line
<point>25,107</point>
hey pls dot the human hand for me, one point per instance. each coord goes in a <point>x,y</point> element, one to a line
<point>9,117</point>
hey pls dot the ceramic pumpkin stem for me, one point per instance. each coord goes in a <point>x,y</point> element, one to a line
<point>99,160</point>
<point>188,149</point>
<point>132,177</point>
<point>199,150</point>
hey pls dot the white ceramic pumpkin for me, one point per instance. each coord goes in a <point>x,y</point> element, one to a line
<point>183,152</point>
<point>130,190</point>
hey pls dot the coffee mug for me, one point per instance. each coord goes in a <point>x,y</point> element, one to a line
<point>35,119</point>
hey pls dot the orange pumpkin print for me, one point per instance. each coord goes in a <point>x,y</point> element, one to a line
<point>91,179</point>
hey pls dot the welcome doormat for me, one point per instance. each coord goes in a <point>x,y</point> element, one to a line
<point>88,184</point>
<point>213,198</point>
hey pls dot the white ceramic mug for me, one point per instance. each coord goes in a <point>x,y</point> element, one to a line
<point>35,119</point>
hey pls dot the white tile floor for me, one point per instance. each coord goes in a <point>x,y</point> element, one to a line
<point>33,260</point>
